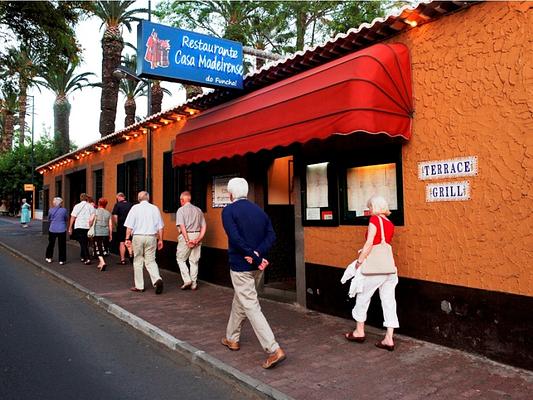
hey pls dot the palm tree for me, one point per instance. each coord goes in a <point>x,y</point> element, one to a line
<point>9,107</point>
<point>114,15</point>
<point>131,89</point>
<point>26,65</point>
<point>63,82</point>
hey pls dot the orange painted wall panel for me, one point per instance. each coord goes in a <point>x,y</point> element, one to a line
<point>473,92</point>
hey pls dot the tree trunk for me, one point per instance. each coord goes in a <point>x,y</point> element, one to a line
<point>157,97</point>
<point>7,136</point>
<point>192,91</point>
<point>61,125</point>
<point>23,97</point>
<point>112,45</point>
<point>301,28</point>
<point>129,108</point>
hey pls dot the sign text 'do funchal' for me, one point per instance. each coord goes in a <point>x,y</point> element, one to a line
<point>172,54</point>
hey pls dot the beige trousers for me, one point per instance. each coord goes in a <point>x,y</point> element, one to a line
<point>246,305</point>
<point>184,253</point>
<point>144,248</point>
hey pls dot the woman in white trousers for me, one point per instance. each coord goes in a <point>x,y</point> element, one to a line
<point>386,284</point>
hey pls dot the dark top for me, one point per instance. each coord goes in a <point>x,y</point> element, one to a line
<point>57,216</point>
<point>121,210</point>
<point>249,229</point>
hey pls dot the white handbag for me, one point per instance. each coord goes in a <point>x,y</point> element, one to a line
<point>380,261</point>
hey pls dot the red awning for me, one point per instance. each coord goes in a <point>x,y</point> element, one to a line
<point>368,91</point>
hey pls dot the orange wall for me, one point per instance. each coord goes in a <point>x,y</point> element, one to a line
<point>473,97</point>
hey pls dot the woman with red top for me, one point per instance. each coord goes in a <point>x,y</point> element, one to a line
<point>379,209</point>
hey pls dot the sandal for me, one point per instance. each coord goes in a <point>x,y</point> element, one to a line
<point>102,267</point>
<point>351,338</point>
<point>383,346</point>
<point>122,262</point>
<point>87,262</point>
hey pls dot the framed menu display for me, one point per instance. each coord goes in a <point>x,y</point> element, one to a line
<point>320,195</point>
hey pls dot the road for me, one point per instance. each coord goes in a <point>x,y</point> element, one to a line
<point>56,345</point>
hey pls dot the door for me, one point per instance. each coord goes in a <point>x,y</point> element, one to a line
<point>279,205</point>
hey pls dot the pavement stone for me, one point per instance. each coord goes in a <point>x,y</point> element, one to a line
<point>320,363</point>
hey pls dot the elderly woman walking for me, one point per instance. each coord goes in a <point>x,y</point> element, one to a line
<point>103,229</point>
<point>57,217</point>
<point>79,220</point>
<point>25,214</point>
<point>386,283</point>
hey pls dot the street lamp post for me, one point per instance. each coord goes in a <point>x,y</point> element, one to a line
<point>32,151</point>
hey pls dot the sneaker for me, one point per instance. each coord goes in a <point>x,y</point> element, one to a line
<point>61,262</point>
<point>48,260</point>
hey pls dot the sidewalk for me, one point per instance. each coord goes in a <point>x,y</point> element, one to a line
<point>320,363</point>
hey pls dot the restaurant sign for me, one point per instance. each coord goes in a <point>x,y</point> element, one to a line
<point>453,168</point>
<point>448,191</point>
<point>172,54</point>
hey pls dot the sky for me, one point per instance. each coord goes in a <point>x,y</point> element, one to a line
<point>85,104</point>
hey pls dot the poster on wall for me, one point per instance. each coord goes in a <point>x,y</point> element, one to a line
<point>317,186</point>
<point>220,191</point>
<point>365,182</point>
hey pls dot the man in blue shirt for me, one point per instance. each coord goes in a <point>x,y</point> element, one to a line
<point>250,237</point>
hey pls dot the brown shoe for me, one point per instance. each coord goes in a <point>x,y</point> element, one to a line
<point>274,359</point>
<point>158,286</point>
<point>230,344</point>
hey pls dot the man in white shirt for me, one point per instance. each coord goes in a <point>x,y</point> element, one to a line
<point>144,222</point>
<point>79,219</point>
<point>191,226</point>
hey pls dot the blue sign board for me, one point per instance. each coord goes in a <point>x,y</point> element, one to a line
<point>172,54</point>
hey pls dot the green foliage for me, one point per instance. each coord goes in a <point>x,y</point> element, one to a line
<point>16,168</point>
<point>45,27</point>
<point>279,26</point>
<point>116,13</point>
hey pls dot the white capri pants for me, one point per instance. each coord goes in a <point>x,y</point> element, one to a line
<point>386,285</point>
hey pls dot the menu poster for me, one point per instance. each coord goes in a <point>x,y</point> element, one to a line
<point>365,182</point>
<point>220,191</point>
<point>317,185</point>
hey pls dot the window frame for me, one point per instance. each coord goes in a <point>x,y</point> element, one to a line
<point>384,155</point>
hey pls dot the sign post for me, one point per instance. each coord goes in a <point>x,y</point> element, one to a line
<point>30,187</point>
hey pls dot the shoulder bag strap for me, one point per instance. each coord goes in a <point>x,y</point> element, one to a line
<point>382,230</point>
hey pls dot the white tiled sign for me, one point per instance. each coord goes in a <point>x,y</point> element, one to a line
<point>453,168</point>
<point>448,191</point>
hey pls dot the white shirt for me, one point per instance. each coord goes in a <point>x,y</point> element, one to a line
<point>82,211</point>
<point>144,219</point>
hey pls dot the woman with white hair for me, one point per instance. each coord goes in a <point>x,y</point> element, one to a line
<point>57,217</point>
<point>386,283</point>
<point>25,213</point>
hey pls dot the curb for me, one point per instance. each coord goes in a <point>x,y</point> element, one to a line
<point>196,356</point>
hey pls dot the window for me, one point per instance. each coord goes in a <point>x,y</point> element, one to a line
<point>177,180</point>
<point>98,184</point>
<point>368,175</point>
<point>131,178</point>
<point>319,199</point>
